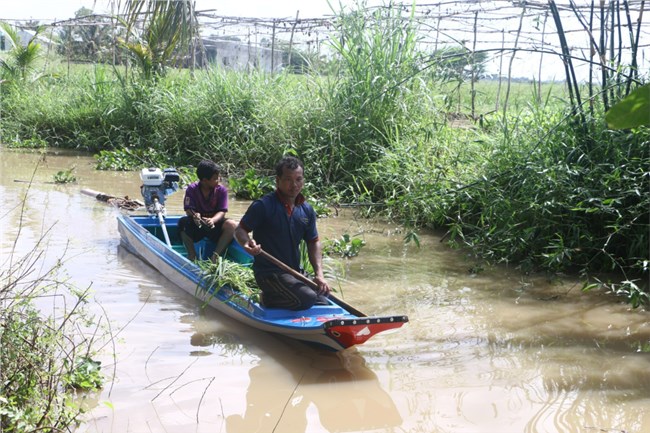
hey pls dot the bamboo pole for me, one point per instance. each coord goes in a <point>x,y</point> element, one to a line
<point>512,59</point>
<point>592,51</point>
<point>248,61</point>
<point>473,59</point>
<point>293,29</point>
<point>541,60</point>
<point>619,61</point>
<point>603,62</point>
<point>273,49</point>
<point>634,43</point>
<point>194,38</point>
<point>638,34</point>
<point>572,82</point>
<point>113,32</point>
<point>503,43</point>
<point>612,49</point>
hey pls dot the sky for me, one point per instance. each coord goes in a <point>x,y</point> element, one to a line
<point>46,10</point>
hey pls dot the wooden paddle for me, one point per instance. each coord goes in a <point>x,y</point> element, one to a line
<point>309,282</point>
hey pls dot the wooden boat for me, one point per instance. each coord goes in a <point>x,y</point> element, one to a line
<point>336,326</point>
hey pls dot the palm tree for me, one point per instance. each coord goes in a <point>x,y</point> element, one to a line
<point>20,59</point>
<point>168,28</point>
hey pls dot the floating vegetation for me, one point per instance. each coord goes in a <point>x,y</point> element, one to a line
<point>345,246</point>
<point>65,176</point>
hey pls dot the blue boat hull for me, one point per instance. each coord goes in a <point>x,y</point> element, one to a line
<point>331,326</point>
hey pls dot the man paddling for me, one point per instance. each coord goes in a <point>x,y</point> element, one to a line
<point>279,221</point>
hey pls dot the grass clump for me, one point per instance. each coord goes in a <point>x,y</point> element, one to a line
<point>226,272</point>
<point>569,201</point>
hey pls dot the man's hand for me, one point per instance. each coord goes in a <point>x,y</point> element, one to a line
<point>323,287</point>
<point>248,244</point>
<point>252,247</point>
<point>208,222</point>
<point>198,220</point>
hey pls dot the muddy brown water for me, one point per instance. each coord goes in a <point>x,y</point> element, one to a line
<point>496,351</point>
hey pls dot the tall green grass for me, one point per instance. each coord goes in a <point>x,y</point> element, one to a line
<point>536,185</point>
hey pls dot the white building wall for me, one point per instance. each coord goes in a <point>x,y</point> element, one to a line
<point>25,36</point>
<point>242,56</point>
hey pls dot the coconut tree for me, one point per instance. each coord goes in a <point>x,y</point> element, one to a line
<point>20,60</point>
<point>158,32</point>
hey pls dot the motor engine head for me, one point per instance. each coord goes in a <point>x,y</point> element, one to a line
<point>156,186</point>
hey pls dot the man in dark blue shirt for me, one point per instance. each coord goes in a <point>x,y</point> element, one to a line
<point>280,221</point>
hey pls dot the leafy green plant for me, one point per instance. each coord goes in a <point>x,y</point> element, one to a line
<point>632,111</point>
<point>38,351</point>
<point>368,102</point>
<point>321,207</point>
<point>159,31</point>
<point>28,143</point>
<point>251,186</point>
<point>129,159</point>
<point>65,176</point>
<point>412,236</point>
<point>20,64</point>
<point>346,246</point>
<point>636,295</point>
<point>85,375</point>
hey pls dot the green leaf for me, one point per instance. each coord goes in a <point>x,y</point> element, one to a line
<point>632,111</point>
<point>587,287</point>
<point>412,237</point>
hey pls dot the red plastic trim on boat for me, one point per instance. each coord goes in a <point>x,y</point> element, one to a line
<point>349,332</point>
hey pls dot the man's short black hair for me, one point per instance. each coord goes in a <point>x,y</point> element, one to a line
<point>289,162</point>
<point>206,169</point>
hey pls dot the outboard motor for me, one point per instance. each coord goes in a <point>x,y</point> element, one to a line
<point>156,186</point>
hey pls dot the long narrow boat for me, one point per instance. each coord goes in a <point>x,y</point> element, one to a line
<point>336,326</point>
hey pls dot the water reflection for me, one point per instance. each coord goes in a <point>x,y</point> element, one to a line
<point>295,388</point>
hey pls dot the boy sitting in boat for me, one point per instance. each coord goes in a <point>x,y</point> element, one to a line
<point>206,205</point>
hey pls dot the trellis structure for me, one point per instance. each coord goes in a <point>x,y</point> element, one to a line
<point>526,39</point>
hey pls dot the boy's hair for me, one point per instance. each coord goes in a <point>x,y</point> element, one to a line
<point>289,162</point>
<point>206,169</point>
